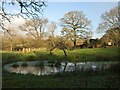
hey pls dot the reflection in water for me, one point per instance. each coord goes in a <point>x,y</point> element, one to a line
<point>47,69</point>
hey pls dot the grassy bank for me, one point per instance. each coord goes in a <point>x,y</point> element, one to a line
<point>86,79</point>
<point>97,54</point>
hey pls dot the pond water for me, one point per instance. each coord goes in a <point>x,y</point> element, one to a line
<point>47,68</point>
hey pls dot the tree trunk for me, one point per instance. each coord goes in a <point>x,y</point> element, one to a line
<point>65,58</point>
<point>75,36</point>
<point>65,66</point>
<point>65,53</point>
<point>74,43</point>
<point>51,52</point>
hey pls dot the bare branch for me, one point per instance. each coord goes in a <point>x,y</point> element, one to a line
<point>75,25</point>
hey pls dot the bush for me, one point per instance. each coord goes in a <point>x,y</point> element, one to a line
<point>24,64</point>
<point>15,65</point>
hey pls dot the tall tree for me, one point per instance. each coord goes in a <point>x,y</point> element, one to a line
<point>51,28</point>
<point>110,25</point>
<point>35,28</point>
<point>25,9</point>
<point>110,19</point>
<point>75,25</point>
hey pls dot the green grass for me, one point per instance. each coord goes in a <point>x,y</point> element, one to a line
<point>62,80</point>
<point>97,54</point>
<point>88,79</point>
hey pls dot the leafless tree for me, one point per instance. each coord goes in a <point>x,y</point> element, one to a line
<point>75,25</point>
<point>26,9</point>
<point>51,28</point>
<point>110,25</point>
<point>110,19</point>
<point>56,42</point>
<point>35,27</point>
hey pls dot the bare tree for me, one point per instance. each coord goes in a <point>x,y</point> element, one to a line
<point>57,42</point>
<point>26,9</point>
<point>75,25</point>
<point>110,25</point>
<point>110,19</point>
<point>88,36</point>
<point>35,28</point>
<point>51,28</point>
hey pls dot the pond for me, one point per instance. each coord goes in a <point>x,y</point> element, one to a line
<point>52,67</point>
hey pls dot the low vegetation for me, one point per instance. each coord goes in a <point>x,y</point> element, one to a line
<point>85,79</point>
<point>24,64</point>
<point>96,54</point>
<point>15,65</point>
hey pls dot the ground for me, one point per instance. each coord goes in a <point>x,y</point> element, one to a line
<point>87,79</point>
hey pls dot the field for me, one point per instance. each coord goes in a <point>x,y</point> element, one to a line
<point>86,79</point>
<point>97,54</point>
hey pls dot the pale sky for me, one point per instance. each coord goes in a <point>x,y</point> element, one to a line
<point>92,10</point>
<point>82,0</point>
<point>56,10</point>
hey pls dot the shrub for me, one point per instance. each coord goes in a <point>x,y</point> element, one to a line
<point>24,64</point>
<point>15,65</point>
